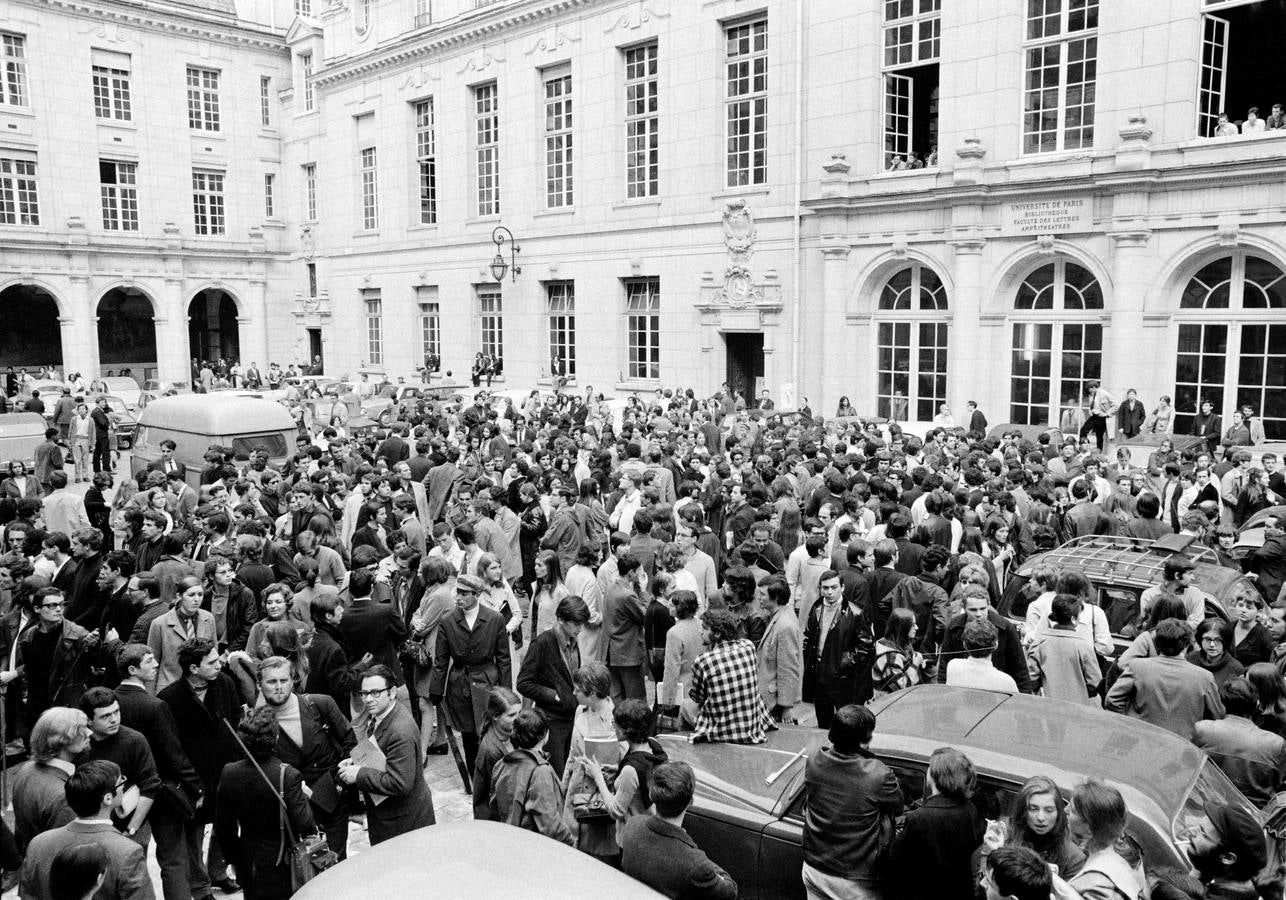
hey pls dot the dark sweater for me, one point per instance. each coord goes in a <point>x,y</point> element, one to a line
<point>129,750</point>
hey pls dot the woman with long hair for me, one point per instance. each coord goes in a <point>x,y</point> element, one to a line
<point>549,591</point>
<point>1038,822</point>
<point>1096,818</point>
<point>499,595</point>
<point>1167,606</point>
<point>1255,496</point>
<point>996,547</point>
<point>503,706</point>
<point>438,576</point>
<point>897,663</point>
<point>371,531</point>
<point>1270,685</point>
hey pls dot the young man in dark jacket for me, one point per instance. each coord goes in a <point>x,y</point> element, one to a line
<point>851,801</point>
<point>546,676</point>
<point>838,652</point>
<point>329,670</point>
<point>658,852</point>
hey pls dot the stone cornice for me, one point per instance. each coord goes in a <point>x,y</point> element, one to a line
<point>417,45</point>
<point>169,20</point>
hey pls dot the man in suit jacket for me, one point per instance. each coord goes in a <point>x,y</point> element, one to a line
<point>370,626</point>
<point>1167,690</point>
<point>92,792</point>
<point>408,803</point>
<point>1252,758</point>
<point>393,449</point>
<point>658,852</point>
<point>546,676</point>
<point>780,653</point>
<point>440,484</point>
<point>49,458</point>
<point>182,499</point>
<point>839,650</point>
<point>1131,415</point>
<point>314,737</point>
<point>39,801</point>
<point>167,463</point>
<point>977,421</point>
<point>624,611</point>
<point>181,789</point>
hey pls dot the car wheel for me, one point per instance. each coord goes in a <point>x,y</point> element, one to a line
<point>386,419</point>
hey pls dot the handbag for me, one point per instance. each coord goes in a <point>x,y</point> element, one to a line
<point>307,856</point>
<point>415,652</point>
<point>589,808</point>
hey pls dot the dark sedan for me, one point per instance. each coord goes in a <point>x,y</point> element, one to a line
<point>755,830</point>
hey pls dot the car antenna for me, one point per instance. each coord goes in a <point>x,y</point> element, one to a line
<point>790,762</point>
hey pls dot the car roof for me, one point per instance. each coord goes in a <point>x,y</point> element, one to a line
<point>473,859</point>
<point>1135,562</point>
<point>19,423</point>
<point>1039,733</point>
<point>216,414</point>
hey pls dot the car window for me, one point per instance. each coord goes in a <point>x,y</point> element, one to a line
<point>1121,606</point>
<point>273,442</point>
<point>1211,785</point>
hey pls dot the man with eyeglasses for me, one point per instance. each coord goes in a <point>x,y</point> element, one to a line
<point>57,655</point>
<point>407,803</point>
<point>93,792</point>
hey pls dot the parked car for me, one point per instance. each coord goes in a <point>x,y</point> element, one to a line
<point>117,386</point>
<point>1121,569</point>
<point>20,434</point>
<point>474,859</point>
<point>1250,537</point>
<point>389,399</point>
<point>1029,432</point>
<point>755,829</point>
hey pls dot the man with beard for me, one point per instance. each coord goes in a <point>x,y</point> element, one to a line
<point>314,737</point>
<point>1228,848</point>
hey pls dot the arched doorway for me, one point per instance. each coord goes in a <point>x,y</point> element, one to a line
<point>127,333</point>
<point>30,335</point>
<point>212,326</point>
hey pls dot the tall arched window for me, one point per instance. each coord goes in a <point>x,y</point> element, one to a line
<point>1057,342</point>
<point>912,331</point>
<point>1232,342</point>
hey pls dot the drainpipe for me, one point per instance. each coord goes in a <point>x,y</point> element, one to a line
<point>796,268</point>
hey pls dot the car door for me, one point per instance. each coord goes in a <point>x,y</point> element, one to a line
<point>730,836</point>
<point>781,853</point>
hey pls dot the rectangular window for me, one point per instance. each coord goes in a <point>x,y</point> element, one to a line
<point>747,103</point>
<point>312,279</point>
<point>265,101</point>
<point>19,204</point>
<point>370,191</point>
<point>912,43</point>
<point>430,322</point>
<point>426,161</point>
<point>13,56</point>
<point>491,317</point>
<point>118,185</point>
<point>487,146</point>
<point>558,138</point>
<point>111,93</point>
<point>1061,71</point>
<point>303,7</point>
<point>306,79</point>
<point>423,13</point>
<point>207,202</point>
<point>374,326</point>
<point>643,326</point>
<point>561,309</point>
<point>203,99</point>
<point>268,185</point>
<point>642,121</point>
<point>310,191</point>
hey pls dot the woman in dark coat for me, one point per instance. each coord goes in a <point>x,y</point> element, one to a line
<point>248,816</point>
<point>931,859</point>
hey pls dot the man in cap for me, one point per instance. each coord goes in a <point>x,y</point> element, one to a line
<point>1228,848</point>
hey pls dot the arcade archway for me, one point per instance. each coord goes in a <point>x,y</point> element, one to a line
<point>30,335</point>
<point>126,333</point>
<point>212,326</point>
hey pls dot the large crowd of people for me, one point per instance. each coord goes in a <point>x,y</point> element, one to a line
<point>553,582</point>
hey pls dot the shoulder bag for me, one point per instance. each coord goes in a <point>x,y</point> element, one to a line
<point>309,855</point>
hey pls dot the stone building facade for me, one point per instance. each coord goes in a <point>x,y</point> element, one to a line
<point>906,202</point>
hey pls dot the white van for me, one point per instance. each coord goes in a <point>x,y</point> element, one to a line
<point>196,421</point>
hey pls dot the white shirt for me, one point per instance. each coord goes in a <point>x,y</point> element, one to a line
<point>979,673</point>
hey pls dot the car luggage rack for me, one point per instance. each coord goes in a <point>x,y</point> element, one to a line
<point>1138,559</point>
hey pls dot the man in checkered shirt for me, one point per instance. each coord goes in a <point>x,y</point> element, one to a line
<point>725,686</point>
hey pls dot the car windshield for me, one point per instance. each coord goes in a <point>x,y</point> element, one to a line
<point>1210,784</point>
